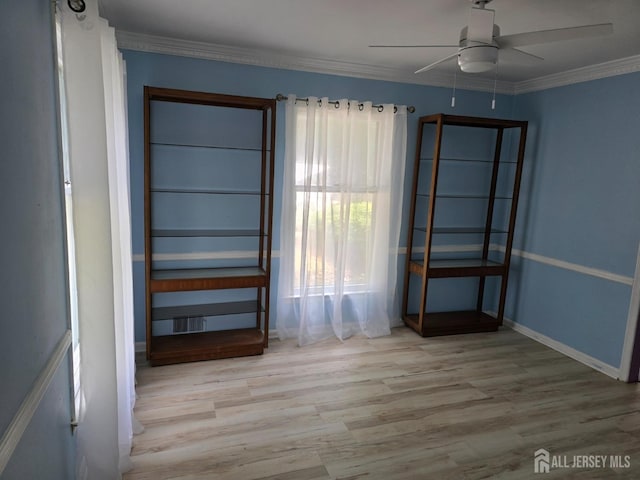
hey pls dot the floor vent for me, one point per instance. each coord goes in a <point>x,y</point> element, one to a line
<point>188,324</point>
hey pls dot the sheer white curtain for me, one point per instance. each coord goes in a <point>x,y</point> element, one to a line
<point>99,172</point>
<point>113,69</point>
<point>340,226</point>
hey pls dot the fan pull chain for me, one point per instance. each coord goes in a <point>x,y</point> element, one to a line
<point>453,94</point>
<point>495,83</point>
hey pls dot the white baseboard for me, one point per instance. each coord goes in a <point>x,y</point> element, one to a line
<point>587,360</point>
<point>583,358</point>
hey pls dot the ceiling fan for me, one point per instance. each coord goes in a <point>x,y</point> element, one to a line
<point>481,44</point>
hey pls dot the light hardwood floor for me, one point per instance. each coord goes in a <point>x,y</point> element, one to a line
<point>399,407</point>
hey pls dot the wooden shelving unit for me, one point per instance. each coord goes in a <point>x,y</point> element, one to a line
<point>496,172</point>
<point>209,163</point>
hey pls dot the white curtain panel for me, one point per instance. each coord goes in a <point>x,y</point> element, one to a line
<point>341,212</point>
<point>113,67</point>
<point>99,171</point>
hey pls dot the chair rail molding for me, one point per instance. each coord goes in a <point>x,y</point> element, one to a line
<point>23,416</point>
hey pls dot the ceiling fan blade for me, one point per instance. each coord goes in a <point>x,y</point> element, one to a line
<point>513,55</point>
<point>442,60</point>
<point>413,46</point>
<point>556,35</point>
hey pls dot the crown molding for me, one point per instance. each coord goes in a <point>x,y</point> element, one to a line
<point>225,53</point>
<point>593,72</point>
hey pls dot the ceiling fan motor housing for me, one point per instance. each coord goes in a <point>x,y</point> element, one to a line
<point>477,56</point>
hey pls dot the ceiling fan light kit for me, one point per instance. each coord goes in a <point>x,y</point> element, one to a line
<point>481,46</point>
<point>478,58</point>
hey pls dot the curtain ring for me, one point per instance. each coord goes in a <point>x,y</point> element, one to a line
<point>395,109</point>
<point>307,102</point>
<point>337,104</point>
<point>380,108</point>
<point>361,106</point>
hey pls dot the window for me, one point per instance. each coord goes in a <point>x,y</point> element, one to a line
<point>344,168</point>
<point>70,238</point>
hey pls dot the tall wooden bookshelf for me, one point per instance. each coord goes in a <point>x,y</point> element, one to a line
<point>208,184</point>
<point>462,230</point>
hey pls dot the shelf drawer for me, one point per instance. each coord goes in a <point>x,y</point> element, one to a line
<point>206,279</point>
<point>190,347</point>
<point>466,267</point>
<point>452,323</point>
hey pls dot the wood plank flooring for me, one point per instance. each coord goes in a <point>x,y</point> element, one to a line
<point>399,407</point>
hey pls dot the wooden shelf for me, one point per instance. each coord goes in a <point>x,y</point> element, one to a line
<point>460,230</point>
<point>251,200</point>
<point>468,160</point>
<point>204,232</point>
<point>451,323</point>
<point>464,196</point>
<point>204,191</point>
<point>465,121</point>
<point>192,347</point>
<point>459,267</point>
<point>213,147</point>
<point>205,310</point>
<point>430,220</point>
<point>464,230</point>
<point>206,279</point>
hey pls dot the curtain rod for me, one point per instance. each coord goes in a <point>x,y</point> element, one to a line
<point>280,97</point>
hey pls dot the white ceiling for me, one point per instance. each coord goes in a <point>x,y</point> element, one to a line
<point>340,31</point>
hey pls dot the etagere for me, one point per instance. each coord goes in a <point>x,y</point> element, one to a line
<point>466,184</point>
<point>209,161</point>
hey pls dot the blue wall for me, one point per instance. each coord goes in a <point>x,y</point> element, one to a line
<point>33,293</point>
<point>578,194</point>
<point>580,205</point>
<point>219,77</point>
